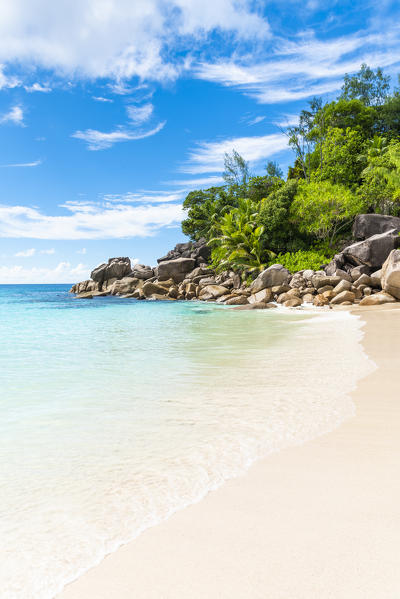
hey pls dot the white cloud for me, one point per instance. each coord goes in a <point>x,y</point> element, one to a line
<point>88,221</point>
<point>37,87</point>
<point>99,140</point>
<point>118,39</point>
<point>82,251</point>
<point>26,253</point>
<point>22,164</point>
<point>287,120</point>
<point>64,272</point>
<point>208,157</point>
<point>101,99</point>
<point>14,115</point>
<point>49,252</point>
<point>308,66</point>
<point>140,114</point>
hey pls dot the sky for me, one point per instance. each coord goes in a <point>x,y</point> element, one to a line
<point>111,111</point>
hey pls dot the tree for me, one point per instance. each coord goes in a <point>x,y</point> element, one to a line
<point>381,178</point>
<point>273,169</point>
<point>279,232</point>
<point>325,209</point>
<point>236,169</point>
<point>204,209</point>
<point>338,156</point>
<point>371,87</point>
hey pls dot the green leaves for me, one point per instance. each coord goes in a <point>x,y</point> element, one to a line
<point>238,245</point>
<point>323,209</point>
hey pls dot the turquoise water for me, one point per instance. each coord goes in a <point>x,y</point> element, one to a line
<point>115,413</point>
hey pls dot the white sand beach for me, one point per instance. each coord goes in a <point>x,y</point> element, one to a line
<point>321,520</point>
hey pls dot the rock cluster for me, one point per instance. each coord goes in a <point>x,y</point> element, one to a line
<point>366,272</point>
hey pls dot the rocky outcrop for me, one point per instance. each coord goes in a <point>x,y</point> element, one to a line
<point>367,225</point>
<point>365,273</point>
<point>390,279</point>
<point>197,250</point>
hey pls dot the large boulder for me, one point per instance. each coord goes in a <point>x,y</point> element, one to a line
<point>270,277</point>
<point>377,299</point>
<point>367,225</point>
<point>140,271</point>
<point>152,289</point>
<point>212,292</point>
<point>373,251</point>
<point>116,268</point>
<point>124,286</point>
<point>175,269</point>
<point>390,279</point>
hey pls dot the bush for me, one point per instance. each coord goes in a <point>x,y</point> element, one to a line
<point>302,260</point>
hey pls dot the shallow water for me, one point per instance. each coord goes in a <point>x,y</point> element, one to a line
<point>115,413</point>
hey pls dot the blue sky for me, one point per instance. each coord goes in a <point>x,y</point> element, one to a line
<point>111,111</point>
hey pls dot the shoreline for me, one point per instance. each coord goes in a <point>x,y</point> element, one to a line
<point>316,520</point>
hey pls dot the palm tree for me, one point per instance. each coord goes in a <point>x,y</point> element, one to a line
<point>238,244</point>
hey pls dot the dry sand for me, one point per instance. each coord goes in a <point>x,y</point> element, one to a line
<point>318,521</point>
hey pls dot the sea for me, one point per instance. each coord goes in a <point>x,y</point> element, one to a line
<point>115,413</point>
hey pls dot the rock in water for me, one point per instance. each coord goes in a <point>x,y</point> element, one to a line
<point>390,280</point>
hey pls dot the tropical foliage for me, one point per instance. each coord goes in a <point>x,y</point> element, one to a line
<point>346,161</point>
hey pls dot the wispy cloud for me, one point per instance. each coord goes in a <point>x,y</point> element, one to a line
<point>38,87</point>
<point>140,114</point>
<point>307,65</point>
<point>99,140</point>
<point>208,157</point>
<point>48,252</point>
<point>15,115</point>
<point>26,253</point>
<point>101,99</point>
<point>89,221</point>
<point>145,197</point>
<point>82,251</point>
<point>8,81</point>
<point>256,120</point>
<point>22,164</point>
<point>198,182</point>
